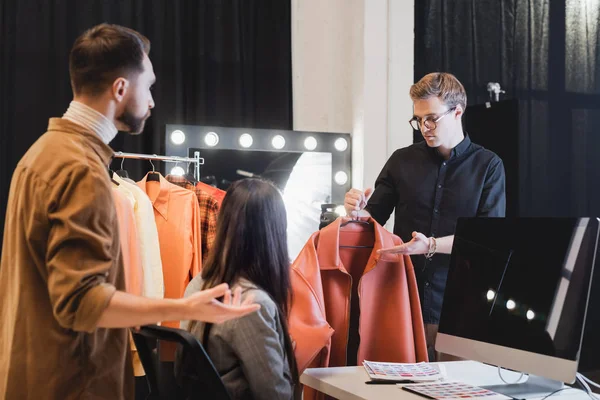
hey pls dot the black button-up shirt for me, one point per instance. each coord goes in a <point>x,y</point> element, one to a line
<point>429,194</point>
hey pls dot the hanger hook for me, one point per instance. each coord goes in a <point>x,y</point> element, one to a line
<point>152,165</point>
<point>122,161</point>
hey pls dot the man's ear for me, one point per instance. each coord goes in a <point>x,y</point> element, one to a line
<point>458,112</point>
<point>119,88</point>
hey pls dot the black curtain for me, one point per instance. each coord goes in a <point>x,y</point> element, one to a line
<point>545,53</point>
<point>217,62</point>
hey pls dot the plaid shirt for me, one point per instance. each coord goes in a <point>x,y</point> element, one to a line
<point>209,210</point>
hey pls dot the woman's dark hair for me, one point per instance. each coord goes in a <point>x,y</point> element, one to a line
<point>104,53</point>
<point>251,243</point>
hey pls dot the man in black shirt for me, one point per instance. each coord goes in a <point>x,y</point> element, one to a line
<point>430,185</point>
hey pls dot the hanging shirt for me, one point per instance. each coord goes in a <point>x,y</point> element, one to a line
<point>209,211</point>
<point>130,247</point>
<point>61,264</point>
<point>153,285</point>
<point>178,222</point>
<point>216,193</point>
<point>134,274</point>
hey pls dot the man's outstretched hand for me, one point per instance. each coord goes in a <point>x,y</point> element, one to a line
<point>418,245</point>
<point>204,306</point>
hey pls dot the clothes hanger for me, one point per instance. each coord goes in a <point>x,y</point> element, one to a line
<point>121,172</point>
<point>190,177</point>
<point>355,221</point>
<point>153,176</point>
<point>110,173</point>
<point>360,222</point>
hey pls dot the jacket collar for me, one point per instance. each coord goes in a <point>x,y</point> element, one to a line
<point>328,249</point>
<point>96,144</point>
<point>160,201</point>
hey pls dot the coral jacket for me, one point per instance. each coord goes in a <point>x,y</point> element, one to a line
<point>390,324</point>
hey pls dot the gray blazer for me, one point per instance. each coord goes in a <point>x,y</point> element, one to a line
<point>248,352</point>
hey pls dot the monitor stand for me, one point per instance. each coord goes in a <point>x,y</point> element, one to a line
<point>534,386</point>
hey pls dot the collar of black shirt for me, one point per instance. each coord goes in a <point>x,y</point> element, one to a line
<point>459,148</point>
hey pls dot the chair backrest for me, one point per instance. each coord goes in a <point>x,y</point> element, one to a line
<point>198,376</point>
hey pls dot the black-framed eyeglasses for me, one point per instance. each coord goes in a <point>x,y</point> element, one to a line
<point>429,122</point>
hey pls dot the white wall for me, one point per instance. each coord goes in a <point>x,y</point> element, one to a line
<point>322,56</point>
<point>401,59</point>
<point>352,66</point>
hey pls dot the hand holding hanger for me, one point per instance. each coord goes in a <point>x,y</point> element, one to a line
<point>355,200</point>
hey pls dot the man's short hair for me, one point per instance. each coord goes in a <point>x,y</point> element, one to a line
<point>443,85</point>
<point>104,53</point>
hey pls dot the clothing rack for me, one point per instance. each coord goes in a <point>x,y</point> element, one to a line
<point>176,159</point>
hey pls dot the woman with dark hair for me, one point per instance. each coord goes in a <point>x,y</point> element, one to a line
<point>254,354</point>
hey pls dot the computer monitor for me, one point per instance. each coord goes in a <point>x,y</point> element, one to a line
<point>517,294</point>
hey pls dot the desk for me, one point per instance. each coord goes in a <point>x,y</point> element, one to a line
<point>348,383</point>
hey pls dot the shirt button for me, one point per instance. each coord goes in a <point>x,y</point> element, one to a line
<point>436,211</point>
<point>443,164</point>
<point>426,283</point>
<point>439,186</point>
<point>432,234</point>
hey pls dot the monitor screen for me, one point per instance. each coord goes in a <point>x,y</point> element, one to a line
<point>520,283</point>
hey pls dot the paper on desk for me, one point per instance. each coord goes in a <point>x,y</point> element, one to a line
<point>452,391</point>
<point>416,372</point>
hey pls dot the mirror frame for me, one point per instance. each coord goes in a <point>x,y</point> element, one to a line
<point>294,142</point>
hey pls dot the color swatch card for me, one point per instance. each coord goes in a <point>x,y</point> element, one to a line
<point>453,390</point>
<point>400,372</point>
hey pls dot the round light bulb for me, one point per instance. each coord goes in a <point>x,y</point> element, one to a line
<point>211,139</point>
<point>490,295</point>
<point>177,137</point>
<point>340,178</point>
<point>310,143</point>
<point>177,171</point>
<point>246,140</point>
<point>510,304</point>
<point>278,142</point>
<point>530,315</point>
<point>341,144</point>
<point>341,211</point>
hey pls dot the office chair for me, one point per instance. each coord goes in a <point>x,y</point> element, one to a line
<point>197,379</point>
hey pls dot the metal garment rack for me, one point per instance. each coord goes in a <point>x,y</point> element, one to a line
<point>176,159</point>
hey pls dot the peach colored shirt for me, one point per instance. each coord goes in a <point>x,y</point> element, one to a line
<point>132,262</point>
<point>177,220</point>
<point>130,246</point>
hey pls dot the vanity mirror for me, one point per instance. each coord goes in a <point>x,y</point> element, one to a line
<point>310,168</point>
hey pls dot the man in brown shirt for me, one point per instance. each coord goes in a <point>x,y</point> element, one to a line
<point>62,306</point>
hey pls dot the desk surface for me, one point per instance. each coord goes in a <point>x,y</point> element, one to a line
<point>348,383</point>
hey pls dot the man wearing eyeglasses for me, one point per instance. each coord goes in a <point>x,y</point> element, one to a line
<point>430,185</point>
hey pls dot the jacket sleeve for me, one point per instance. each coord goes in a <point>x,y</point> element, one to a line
<point>80,250</point>
<point>307,320</point>
<point>256,341</point>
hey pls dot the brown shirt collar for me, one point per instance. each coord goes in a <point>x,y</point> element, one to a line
<point>104,151</point>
